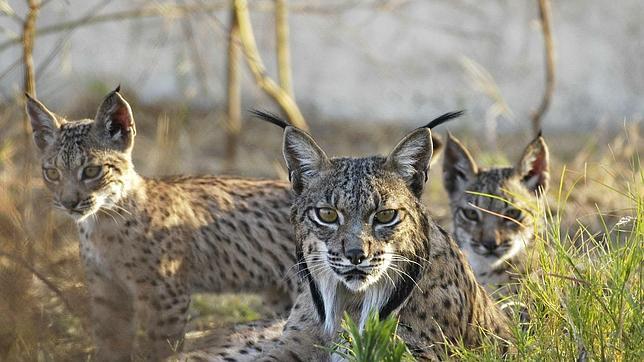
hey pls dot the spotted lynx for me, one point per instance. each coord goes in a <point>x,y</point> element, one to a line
<point>365,242</point>
<point>495,234</point>
<point>147,244</point>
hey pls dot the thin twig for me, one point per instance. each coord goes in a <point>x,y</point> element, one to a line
<point>19,261</point>
<point>545,16</point>
<point>286,102</point>
<point>282,46</point>
<point>197,59</point>
<point>233,92</point>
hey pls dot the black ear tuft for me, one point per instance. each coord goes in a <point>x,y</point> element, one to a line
<point>271,118</point>
<point>118,88</point>
<point>443,118</point>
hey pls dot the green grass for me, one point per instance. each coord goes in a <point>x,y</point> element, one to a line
<point>583,295</point>
<point>378,341</point>
<point>40,321</point>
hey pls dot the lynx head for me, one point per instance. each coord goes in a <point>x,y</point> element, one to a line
<point>359,223</point>
<point>86,164</point>
<point>497,227</point>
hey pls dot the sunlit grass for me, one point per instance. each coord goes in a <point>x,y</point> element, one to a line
<point>35,324</point>
<point>377,342</point>
<point>583,296</point>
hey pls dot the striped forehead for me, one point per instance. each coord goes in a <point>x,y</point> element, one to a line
<point>489,182</point>
<point>352,185</point>
<point>73,144</point>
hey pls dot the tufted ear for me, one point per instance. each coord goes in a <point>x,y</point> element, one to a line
<point>115,123</point>
<point>533,168</point>
<point>43,123</point>
<point>458,167</point>
<point>410,159</point>
<point>304,158</point>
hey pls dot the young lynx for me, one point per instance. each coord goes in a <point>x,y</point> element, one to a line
<point>495,233</point>
<point>147,244</point>
<point>365,242</point>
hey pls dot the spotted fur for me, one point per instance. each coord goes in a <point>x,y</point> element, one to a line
<point>147,244</point>
<point>361,262</point>
<point>491,211</point>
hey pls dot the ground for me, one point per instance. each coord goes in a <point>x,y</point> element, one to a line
<point>43,303</point>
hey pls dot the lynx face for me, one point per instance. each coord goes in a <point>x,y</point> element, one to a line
<point>357,222</point>
<point>85,163</point>
<point>490,208</point>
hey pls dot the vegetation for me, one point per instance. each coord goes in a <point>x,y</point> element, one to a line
<point>377,342</point>
<point>583,298</point>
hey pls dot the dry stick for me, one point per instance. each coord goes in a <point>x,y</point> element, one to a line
<point>233,93</point>
<point>282,45</point>
<point>28,35</point>
<point>23,263</point>
<point>545,16</point>
<point>286,102</point>
<point>200,66</point>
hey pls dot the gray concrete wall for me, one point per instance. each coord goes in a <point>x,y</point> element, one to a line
<point>369,63</point>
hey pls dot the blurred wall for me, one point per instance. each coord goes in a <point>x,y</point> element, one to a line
<point>361,60</point>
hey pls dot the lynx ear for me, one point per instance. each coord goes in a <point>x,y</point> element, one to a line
<point>115,123</point>
<point>304,158</point>
<point>410,159</point>
<point>533,168</point>
<point>437,147</point>
<point>43,123</point>
<point>458,166</point>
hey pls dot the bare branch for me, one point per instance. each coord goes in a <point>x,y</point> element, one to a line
<point>545,16</point>
<point>286,102</point>
<point>197,59</point>
<point>233,126</point>
<point>28,35</point>
<point>282,45</point>
<point>48,283</point>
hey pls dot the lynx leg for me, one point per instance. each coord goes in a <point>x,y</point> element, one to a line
<point>112,320</point>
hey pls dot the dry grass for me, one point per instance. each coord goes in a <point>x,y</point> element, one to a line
<point>43,303</point>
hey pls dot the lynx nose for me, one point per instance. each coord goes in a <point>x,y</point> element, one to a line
<point>69,204</point>
<point>490,245</point>
<point>356,256</point>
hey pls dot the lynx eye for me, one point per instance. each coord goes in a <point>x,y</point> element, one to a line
<point>327,215</point>
<point>51,174</point>
<point>385,216</point>
<point>514,214</point>
<point>470,214</point>
<point>91,172</point>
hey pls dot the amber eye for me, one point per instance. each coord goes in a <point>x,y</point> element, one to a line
<point>385,216</point>
<point>51,174</point>
<point>327,214</point>
<point>470,214</point>
<point>514,214</point>
<point>91,172</point>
